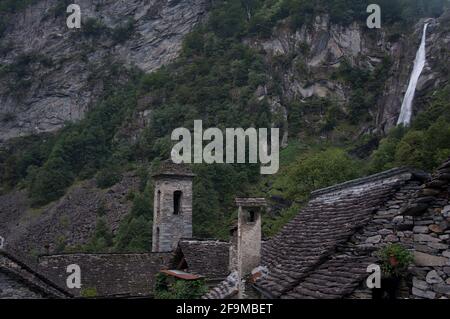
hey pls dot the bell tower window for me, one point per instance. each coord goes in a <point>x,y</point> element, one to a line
<point>177,197</point>
<point>251,216</point>
<point>158,203</point>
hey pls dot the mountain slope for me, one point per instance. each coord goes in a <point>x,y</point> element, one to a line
<point>51,74</point>
<point>333,86</point>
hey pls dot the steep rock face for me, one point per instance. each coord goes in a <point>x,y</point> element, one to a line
<point>315,52</point>
<point>59,68</point>
<point>66,71</point>
<point>433,76</point>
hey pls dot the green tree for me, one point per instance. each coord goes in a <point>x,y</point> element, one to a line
<point>320,170</point>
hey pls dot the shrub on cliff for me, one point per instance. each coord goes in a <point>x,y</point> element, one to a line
<point>424,145</point>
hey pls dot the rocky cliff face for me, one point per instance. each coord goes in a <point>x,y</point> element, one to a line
<point>55,71</point>
<point>433,76</point>
<point>318,51</point>
<point>56,74</point>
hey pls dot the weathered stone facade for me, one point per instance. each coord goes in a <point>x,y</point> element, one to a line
<point>172,218</point>
<point>245,253</point>
<point>431,212</point>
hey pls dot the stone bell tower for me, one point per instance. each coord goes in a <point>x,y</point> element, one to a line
<point>172,214</point>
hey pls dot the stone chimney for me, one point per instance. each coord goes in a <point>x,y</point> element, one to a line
<point>245,248</point>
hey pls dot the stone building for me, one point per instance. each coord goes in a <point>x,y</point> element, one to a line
<point>244,250</point>
<point>246,238</point>
<point>173,248</point>
<point>323,252</point>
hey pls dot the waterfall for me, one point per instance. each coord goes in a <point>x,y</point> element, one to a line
<point>419,63</point>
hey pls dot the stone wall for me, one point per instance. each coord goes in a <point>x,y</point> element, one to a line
<point>432,254</point>
<point>431,212</point>
<point>420,222</point>
<point>426,235</point>
<point>249,241</point>
<point>387,226</point>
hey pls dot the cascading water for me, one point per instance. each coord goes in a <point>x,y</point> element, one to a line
<point>419,63</point>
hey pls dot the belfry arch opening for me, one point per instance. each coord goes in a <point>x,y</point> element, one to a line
<point>158,203</point>
<point>177,199</point>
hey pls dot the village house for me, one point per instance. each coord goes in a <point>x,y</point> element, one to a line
<point>323,252</point>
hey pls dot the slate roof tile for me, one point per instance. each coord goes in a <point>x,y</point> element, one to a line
<point>301,258</point>
<point>209,258</point>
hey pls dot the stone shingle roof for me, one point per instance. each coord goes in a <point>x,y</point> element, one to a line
<point>251,202</point>
<point>108,275</point>
<point>333,279</point>
<point>168,168</point>
<point>26,274</point>
<point>208,258</point>
<point>303,259</point>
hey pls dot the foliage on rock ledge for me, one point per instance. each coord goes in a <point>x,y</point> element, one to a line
<point>395,260</point>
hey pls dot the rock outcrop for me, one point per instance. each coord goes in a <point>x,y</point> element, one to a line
<point>58,73</point>
<point>61,72</point>
<point>317,51</point>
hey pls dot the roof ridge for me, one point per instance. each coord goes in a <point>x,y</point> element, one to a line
<point>102,254</point>
<point>194,239</point>
<point>417,174</point>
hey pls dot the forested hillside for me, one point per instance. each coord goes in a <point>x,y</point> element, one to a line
<point>251,63</point>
